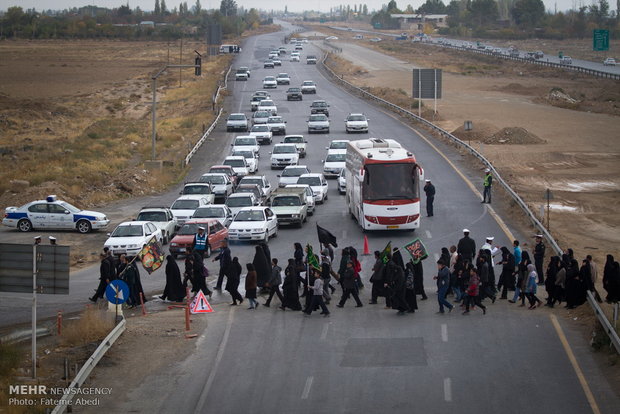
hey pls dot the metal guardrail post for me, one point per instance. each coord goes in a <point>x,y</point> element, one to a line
<point>609,329</point>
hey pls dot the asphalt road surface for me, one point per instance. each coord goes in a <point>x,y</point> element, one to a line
<point>370,360</point>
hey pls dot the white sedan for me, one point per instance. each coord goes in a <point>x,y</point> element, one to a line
<point>270,82</point>
<point>253,223</point>
<point>129,237</point>
<point>318,183</point>
<point>250,159</point>
<point>308,87</point>
<point>183,207</point>
<point>262,133</point>
<point>268,105</point>
<point>356,123</point>
<point>52,213</point>
<point>334,163</point>
<point>318,123</point>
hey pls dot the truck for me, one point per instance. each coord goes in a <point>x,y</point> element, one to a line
<point>290,206</point>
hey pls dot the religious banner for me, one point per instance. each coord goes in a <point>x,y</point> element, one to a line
<point>417,250</point>
<point>312,259</point>
<point>151,256</point>
<point>386,253</point>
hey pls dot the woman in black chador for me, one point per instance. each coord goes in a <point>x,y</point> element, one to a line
<point>262,267</point>
<point>174,287</point>
<point>232,281</point>
<point>290,287</point>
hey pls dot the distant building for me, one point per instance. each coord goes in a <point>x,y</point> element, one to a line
<point>417,21</point>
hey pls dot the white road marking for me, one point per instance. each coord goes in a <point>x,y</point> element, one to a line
<point>304,395</point>
<point>447,389</point>
<point>218,358</point>
<point>325,329</point>
<point>444,332</point>
<point>428,234</point>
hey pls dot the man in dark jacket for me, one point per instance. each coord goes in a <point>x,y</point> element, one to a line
<point>539,258</point>
<point>225,261</point>
<point>274,282</point>
<point>467,247</point>
<point>429,189</point>
<point>443,282</point>
<point>106,275</point>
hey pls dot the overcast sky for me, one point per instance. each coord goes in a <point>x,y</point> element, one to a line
<point>293,5</point>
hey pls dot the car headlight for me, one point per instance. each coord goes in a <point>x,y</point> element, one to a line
<point>132,246</point>
<point>173,244</point>
<point>295,215</point>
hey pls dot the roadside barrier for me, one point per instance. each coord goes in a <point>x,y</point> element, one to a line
<point>496,176</point>
<point>89,365</point>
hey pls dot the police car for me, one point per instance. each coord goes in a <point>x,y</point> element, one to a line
<point>52,213</point>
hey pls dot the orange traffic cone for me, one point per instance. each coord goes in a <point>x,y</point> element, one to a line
<point>366,249</point>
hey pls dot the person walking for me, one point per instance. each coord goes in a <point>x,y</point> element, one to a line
<point>261,266</point>
<point>105,277</point>
<point>429,190</point>
<point>317,296</point>
<point>516,252</point>
<point>560,282</point>
<point>376,279</point>
<point>473,292</point>
<point>418,279</point>
<point>251,284</point>
<point>410,296</point>
<point>486,283</point>
<point>233,278</point>
<point>594,278</point>
<point>200,274</point>
<point>443,281</point>
<point>173,290</point>
<point>199,244</point>
<point>487,184</point>
<point>224,257</point>
<point>398,288</point>
<point>290,287</point>
<point>611,279</point>
<point>188,274</point>
<point>466,247</point>
<point>506,278</point>
<point>521,274</point>
<point>274,283</point>
<point>552,270</point>
<point>530,287</point>
<point>350,287</point>
<point>539,258</point>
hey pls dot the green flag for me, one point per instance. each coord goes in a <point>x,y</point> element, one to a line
<point>386,253</point>
<point>417,250</point>
<point>312,259</point>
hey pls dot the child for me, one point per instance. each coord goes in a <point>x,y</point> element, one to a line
<point>317,296</point>
<point>473,292</point>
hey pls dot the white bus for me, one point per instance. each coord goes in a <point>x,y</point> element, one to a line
<point>383,185</point>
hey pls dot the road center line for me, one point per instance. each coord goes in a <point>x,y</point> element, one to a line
<point>444,332</point>
<point>325,329</point>
<point>428,234</point>
<point>447,389</point>
<point>304,394</point>
<point>575,364</point>
<point>218,358</point>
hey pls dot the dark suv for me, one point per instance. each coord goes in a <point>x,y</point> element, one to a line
<point>319,107</point>
<point>294,94</point>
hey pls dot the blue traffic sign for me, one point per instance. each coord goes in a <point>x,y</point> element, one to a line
<point>117,292</point>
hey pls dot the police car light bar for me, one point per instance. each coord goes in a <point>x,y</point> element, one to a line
<point>51,198</point>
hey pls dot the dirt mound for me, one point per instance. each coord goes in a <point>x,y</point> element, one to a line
<point>514,136</point>
<point>480,132</point>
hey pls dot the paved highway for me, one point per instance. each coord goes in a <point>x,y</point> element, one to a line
<point>369,360</point>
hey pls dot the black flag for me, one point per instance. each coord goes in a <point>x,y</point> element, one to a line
<point>325,236</point>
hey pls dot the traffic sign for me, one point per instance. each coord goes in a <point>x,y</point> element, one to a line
<point>200,304</point>
<point>600,39</point>
<point>117,292</point>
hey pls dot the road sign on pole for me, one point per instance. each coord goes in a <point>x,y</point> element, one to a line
<point>600,40</point>
<point>200,304</point>
<point>117,292</point>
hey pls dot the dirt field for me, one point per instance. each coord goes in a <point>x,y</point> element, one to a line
<point>563,129</point>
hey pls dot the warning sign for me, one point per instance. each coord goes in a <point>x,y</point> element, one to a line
<point>200,304</point>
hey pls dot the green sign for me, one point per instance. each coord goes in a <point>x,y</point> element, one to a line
<point>377,25</point>
<point>600,40</point>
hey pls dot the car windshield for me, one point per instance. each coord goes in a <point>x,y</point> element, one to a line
<point>236,117</point>
<point>319,117</point>
<point>261,114</point>
<point>294,172</point>
<point>282,75</point>
<point>208,212</point>
<point>285,201</point>
<point>245,141</point>
<point>128,231</point>
<point>308,83</point>
<point>196,189</point>
<point>274,120</point>
<point>244,71</point>
<point>269,79</point>
<point>390,182</point>
<point>212,179</point>
<point>258,98</point>
<point>338,145</point>
<point>69,207</point>
<point>357,118</point>
<point>266,102</point>
<point>335,158</point>
<point>239,201</point>
<point>284,149</point>
<point>185,205</point>
<point>249,190</point>
<point>245,154</point>
<point>319,104</point>
<point>260,128</point>
<point>189,229</point>
<point>250,215</point>
<point>252,180</point>
<point>152,216</point>
<point>220,170</point>
<point>235,163</point>
<point>293,90</point>
<point>294,140</point>
<point>311,181</point>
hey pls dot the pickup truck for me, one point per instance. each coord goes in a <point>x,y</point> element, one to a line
<point>290,206</point>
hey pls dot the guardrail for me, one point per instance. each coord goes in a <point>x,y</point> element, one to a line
<point>611,332</point>
<point>89,365</point>
<point>335,48</point>
<point>497,177</point>
<point>592,72</point>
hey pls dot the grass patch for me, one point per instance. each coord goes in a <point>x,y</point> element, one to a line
<point>93,325</point>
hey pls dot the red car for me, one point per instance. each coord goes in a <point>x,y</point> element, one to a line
<point>228,170</point>
<point>216,234</point>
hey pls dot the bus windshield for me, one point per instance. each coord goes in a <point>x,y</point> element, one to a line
<point>390,182</point>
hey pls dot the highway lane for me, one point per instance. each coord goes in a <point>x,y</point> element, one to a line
<point>369,359</point>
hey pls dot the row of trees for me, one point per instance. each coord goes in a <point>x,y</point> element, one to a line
<point>124,22</point>
<point>509,18</point>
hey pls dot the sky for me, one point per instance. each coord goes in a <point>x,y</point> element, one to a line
<point>293,5</point>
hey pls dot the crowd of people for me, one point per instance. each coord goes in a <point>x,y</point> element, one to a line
<point>124,268</point>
